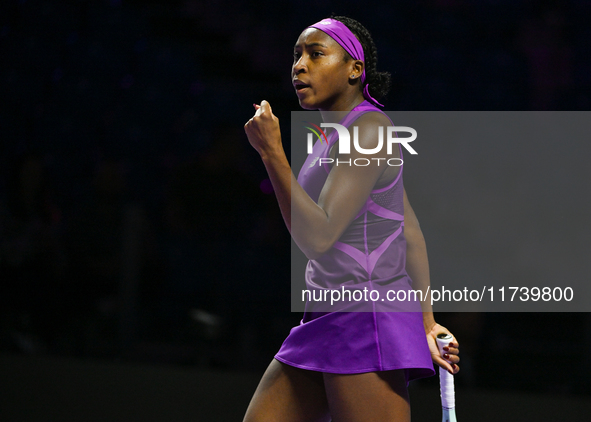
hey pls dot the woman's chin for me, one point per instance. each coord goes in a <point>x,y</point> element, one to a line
<point>307,105</point>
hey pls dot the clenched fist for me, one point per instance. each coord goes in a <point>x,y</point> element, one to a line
<point>263,130</point>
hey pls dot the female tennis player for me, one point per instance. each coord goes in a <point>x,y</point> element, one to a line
<point>358,230</point>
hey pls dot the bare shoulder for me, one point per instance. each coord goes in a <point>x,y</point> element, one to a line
<point>373,118</point>
<point>369,125</point>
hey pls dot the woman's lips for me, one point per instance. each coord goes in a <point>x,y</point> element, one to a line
<point>302,89</point>
<point>300,86</point>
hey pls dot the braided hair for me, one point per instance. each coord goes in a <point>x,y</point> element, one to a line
<point>379,82</point>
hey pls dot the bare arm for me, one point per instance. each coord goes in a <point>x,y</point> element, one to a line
<point>417,263</point>
<point>315,227</point>
<point>417,267</point>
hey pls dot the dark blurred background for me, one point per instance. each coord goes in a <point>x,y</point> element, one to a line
<point>138,226</point>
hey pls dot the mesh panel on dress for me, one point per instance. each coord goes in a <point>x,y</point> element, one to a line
<point>384,199</point>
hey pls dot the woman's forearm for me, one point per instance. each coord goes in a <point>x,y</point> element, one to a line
<point>305,220</point>
<point>302,216</point>
<point>417,263</point>
<point>417,267</point>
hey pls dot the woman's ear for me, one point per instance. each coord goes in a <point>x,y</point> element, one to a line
<point>358,67</point>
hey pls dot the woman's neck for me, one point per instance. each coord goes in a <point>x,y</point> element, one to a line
<point>340,109</point>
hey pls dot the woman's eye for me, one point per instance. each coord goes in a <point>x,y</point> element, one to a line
<point>297,55</point>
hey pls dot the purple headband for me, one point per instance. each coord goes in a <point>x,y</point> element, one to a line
<point>346,39</point>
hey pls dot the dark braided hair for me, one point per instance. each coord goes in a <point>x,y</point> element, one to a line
<point>379,82</point>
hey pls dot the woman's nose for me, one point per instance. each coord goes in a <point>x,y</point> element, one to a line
<point>299,66</point>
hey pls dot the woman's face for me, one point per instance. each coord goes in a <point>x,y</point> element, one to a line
<point>319,72</point>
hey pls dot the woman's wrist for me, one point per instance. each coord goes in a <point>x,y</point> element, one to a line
<point>273,154</point>
<point>428,321</point>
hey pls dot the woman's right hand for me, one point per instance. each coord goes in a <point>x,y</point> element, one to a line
<point>263,130</point>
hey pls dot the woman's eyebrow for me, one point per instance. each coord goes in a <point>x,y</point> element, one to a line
<point>312,44</point>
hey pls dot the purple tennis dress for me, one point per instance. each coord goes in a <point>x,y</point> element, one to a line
<point>370,254</point>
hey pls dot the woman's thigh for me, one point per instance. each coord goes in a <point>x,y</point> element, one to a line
<point>288,394</point>
<point>368,397</point>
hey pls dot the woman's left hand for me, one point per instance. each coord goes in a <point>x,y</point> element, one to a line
<point>450,358</point>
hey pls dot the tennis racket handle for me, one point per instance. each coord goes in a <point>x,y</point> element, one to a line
<point>446,383</point>
<point>449,415</point>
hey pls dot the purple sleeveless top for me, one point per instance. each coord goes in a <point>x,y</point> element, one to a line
<point>360,336</point>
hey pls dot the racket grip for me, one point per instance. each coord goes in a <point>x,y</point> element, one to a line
<point>446,383</point>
